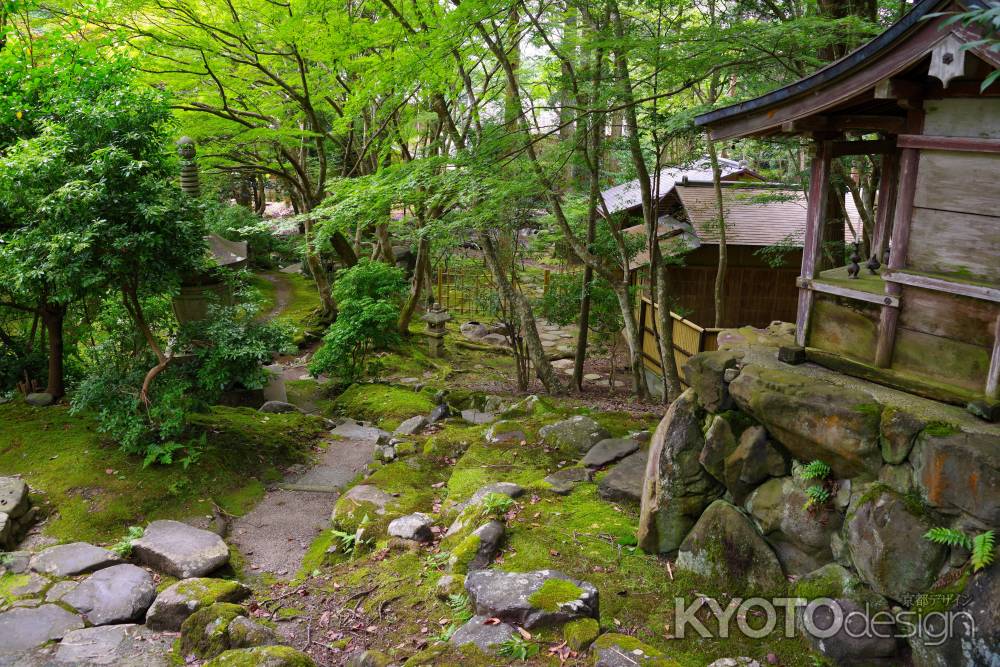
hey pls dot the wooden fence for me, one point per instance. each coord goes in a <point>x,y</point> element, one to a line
<point>688,338</point>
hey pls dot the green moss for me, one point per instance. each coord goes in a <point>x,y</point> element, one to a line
<point>66,460</point>
<point>405,448</point>
<point>205,632</point>
<point>316,555</point>
<point>285,656</point>
<point>869,409</point>
<point>286,613</point>
<point>554,593</point>
<point>739,421</point>
<point>9,583</point>
<point>463,554</point>
<point>939,429</point>
<point>619,424</point>
<point>638,652</point>
<point>208,591</point>
<point>825,583</point>
<point>429,656</point>
<point>452,440</point>
<point>384,404</point>
<point>581,633</point>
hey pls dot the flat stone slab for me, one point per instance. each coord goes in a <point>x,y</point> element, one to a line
<point>531,599</point>
<point>178,601</point>
<point>562,482</point>
<point>69,560</point>
<point>23,629</point>
<point>36,583</point>
<point>624,482</point>
<point>477,417</point>
<point>411,426</point>
<point>117,594</point>
<point>608,451</point>
<point>126,645</point>
<point>352,430</point>
<point>180,550</point>
<point>486,636</point>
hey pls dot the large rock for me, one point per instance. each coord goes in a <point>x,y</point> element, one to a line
<point>486,636</point>
<point>126,645</point>
<point>504,431</point>
<point>576,434</point>
<point>474,416</point>
<point>755,459</point>
<point>221,627</point>
<point>972,633</point>
<point>720,442</point>
<point>705,373</point>
<point>562,482</point>
<point>960,473</point>
<point>440,412</point>
<point>724,544</point>
<point>887,547</point>
<point>411,426</point>
<point>14,500</point>
<point>39,399</point>
<point>531,599</point>
<point>608,451</point>
<point>180,550</point>
<point>178,601</point>
<point>262,656</point>
<point>624,481</point>
<point>677,489</point>
<point>416,526</point>
<point>899,433</point>
<point>800,537</point>
<point>118,594</point>
<point>509,489</point>
<point>278,407</point>
<point>360,501</point>
<point>23,629</point>
<point>812,418</point>
<point>68,560</point>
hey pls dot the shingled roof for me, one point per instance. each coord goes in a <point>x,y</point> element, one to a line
<point>628,195</point>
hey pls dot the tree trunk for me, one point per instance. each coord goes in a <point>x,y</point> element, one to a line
<point>526,318</point>
<point>319,275</point>
<point>668,364</point>
<point>417,282</point>
<point>634,339</point>
<point>52,317</point>
<point>720,273</point>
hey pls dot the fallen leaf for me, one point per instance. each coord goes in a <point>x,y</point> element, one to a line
<point>492,620</point>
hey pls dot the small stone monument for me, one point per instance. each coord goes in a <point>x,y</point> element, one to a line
<point>189,167</point>
<point>436,319</point>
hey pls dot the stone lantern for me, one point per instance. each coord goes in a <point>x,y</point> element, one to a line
<point>436,318</point>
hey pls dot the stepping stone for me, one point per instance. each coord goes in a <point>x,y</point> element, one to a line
<point>609,451</point>
<point>18,562</point>
<point>592,377</point>
<point>485,637</point>
<point>562,363</point>
<point>126,645</point>
<point>568,371</point>
<point>59,589</point>
<point>477,417</point>
<point>624,482</point>
<point>352,430</point>
<point>36,583</point>
<point>565,480</point>
<point>68,560</point>
<point>531,599</point>
<point>416,526</point>
<point>178,601</point>
<point>23,629</point>
<point>411,426</point>
<point>118,594</point>
<point>180,550</point>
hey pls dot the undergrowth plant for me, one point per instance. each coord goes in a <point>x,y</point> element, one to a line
<point>123,547</point>
<point>818,494</point>
<point>518,649</point>
<point>982,546</point>
<point>497,505</point>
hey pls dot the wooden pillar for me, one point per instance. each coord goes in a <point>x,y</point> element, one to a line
<point>993,374</point>
<point>897,253</point>
<point>888,186</point>
<point>819,190</point>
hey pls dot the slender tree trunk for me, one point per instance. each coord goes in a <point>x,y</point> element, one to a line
<point>526,317</point>
<point>406,314</point>
<point>52,317</point>
<point>633,336</point>
<point>671,378</point>
<point>720,273</point>
<point>319,275</point>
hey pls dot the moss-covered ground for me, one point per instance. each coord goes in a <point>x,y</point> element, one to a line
<point>93,492</point>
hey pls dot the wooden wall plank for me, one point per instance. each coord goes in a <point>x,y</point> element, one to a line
<point>959,244</point>
<point>962,182</point>
<point>951,316</point>
<point>965,117</point>
<point>941,360</point>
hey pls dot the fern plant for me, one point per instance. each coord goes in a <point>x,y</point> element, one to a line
<point>817,496</point>
<point>816,470</point>
<point>982,546</point>
<point>461,610</point>
<point>518,649</point>
<point>123,547</point>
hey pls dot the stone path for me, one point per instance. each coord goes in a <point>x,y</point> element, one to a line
<point>274,535</point>
<point>282,294</point>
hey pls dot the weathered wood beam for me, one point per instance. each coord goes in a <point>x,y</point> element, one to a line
<point>881,147</point>
<point>993,374</point>
<point>888,185</point>
<point>858,295</point>
<point>970,144</point>
<point>898,89</point>
<point>942,285</point>
<point>819,190</point>
<point>872,122</point>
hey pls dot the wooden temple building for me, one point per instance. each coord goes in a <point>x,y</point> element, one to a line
<point>921,311</point>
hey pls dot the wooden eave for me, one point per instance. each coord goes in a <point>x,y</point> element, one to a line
<point>842,95</point>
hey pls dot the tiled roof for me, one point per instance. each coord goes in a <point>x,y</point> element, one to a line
<point>628,195</point>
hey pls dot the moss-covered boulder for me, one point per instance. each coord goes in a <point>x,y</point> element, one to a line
<point>677,488</point>
<point>504,431</point>
<point>885,536</point>
<point>705,373</point>
<point>615,650</point>
<point>581,633</point>
<point>384,404</point>
<point>364,503</point>
<point>899,433</point>
<point>725,545</point>
<point>221,627</point>
<point>720,442</point>
<point>812,418</point>
<point>959,473</point>
<point>477,549</point>
<point>574,435</point>
<point>753,460</point>
<point>262,656</point>
<point>178,601</point>
<point>800,536</point>
<point>531,599</point>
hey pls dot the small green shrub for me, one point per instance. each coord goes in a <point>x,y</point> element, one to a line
<point>982,546</point>
<point>123,547</point>
<point>517,648</point>
<point>815,470</point>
